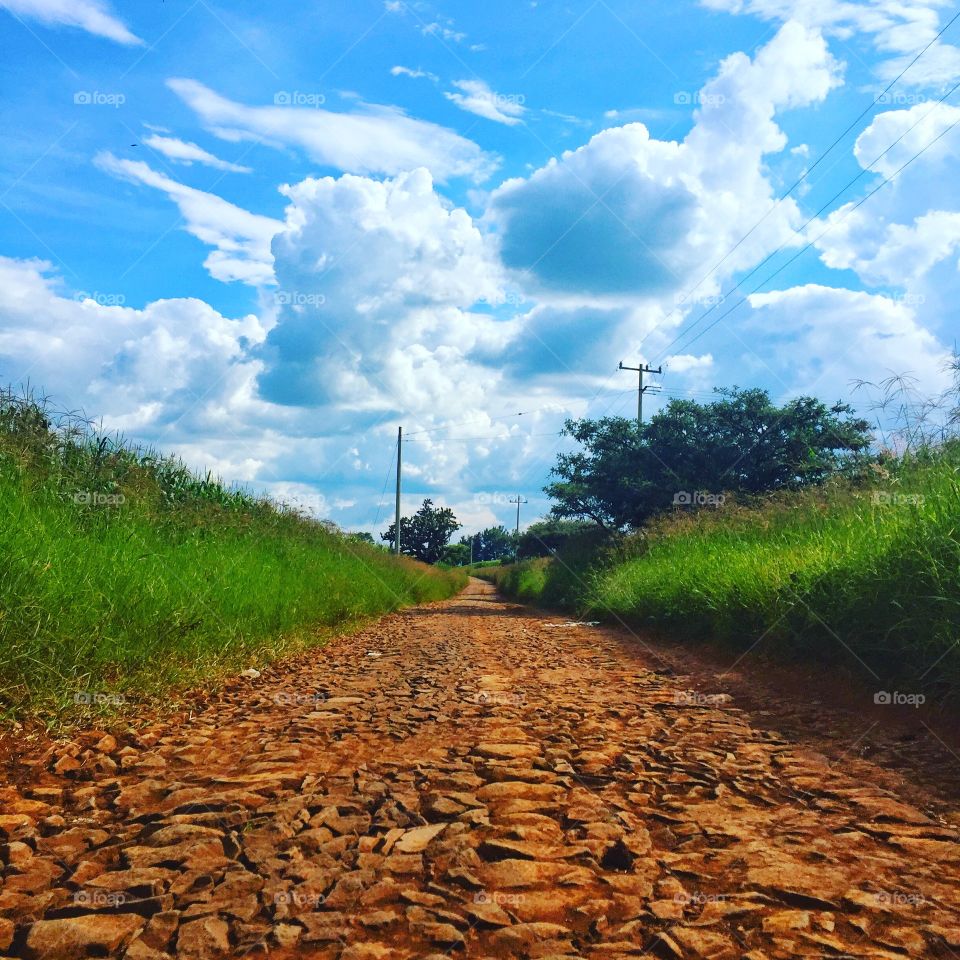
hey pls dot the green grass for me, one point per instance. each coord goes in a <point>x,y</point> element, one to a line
<point>868,579</point>
<point>181,582</point>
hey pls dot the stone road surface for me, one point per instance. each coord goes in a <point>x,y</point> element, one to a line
<point>466,779</point>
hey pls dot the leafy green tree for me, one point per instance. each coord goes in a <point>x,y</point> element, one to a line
<point>740,442</point>
<point>426,533</point>
<point>494,543</point>
<point>361,536</point>
<point>456,554</point>
<point>546,537</point>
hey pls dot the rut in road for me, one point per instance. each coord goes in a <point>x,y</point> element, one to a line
<point>472,779</point>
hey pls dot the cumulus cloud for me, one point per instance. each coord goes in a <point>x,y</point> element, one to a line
<point>908,235</point>
<point>898,30</point>
<point>476,97</point>
<point>93,16</point>
<point>241,239</point>
<point>818,340</point>
<point>630,216</point>
<point>174,360</point>
<point>370,140</point>
<point>374,280</point>
<point>180,151</point>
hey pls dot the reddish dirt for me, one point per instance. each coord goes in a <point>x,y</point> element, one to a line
<point>473,779</point>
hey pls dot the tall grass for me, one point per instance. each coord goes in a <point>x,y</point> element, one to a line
<point>122,574</point>
<point>866,577</point>
<point>870,578</point>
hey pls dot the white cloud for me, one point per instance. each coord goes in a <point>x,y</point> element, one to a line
<point>628,217</point>
<point>241,239</point>
<point>444,31</point>
<point>819,340</point>
<point>417,74</point>
<point>370,140</point>
<point>898,30</point>
<point>174,360</point>
<point>93,16</point>
<point>684,362</point>
<point>476,97</point>
<point>374,278</point>
<point>180,151</point>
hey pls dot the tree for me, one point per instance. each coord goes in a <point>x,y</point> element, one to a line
<point>494,543</point>
<point>456,554</point>
<point>546,537</point>
<point>740,442</point>
<point>361,536</point>
<point>426,533</point>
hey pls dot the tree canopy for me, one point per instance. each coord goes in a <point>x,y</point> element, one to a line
<point>740,442</point>
<point>426,533</point>
<point>494,543</point>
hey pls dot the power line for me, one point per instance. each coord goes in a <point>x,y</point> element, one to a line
<point>798,231</point>
<point>808,171</point>
<point>386,480</point>
<point>813,242</point>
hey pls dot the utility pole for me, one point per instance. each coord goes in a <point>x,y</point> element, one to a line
<point>396,525</point>
<point>641,370</point>
<point>518,501</point>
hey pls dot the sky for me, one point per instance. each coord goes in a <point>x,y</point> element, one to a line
<point>264,236</point>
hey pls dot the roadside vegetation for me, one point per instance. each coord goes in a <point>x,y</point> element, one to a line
<point>858,568</point>
<point>123,574</point>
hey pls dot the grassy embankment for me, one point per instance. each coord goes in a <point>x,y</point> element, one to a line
<point>837,575</point>
<point>122,575</point>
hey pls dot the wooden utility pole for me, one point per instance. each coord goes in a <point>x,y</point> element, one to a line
<point>396,525</point>
<point>518,501</point>
<point>641,370</point>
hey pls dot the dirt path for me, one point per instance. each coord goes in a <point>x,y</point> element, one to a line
<point>467,779</point>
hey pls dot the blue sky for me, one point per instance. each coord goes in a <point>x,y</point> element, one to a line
<point>263,236</point>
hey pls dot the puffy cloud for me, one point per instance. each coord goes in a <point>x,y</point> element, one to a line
<point>818,340</point>
<point>908,235</point>
<point>173,361</point>
<point>374,280</point>
<point>371,140</point>
<point>181,151</point>
<point>241,238</point>
<point>476,97</point>
<point>93,16</point>
<point>628,216</point>
<point>897,29</point>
